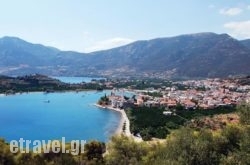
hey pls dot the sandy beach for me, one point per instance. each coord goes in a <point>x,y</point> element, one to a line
<point>124,119</point>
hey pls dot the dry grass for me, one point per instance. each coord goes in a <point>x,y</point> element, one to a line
<point>216,122</point>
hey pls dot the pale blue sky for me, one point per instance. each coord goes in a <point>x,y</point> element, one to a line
<point>88,25</point>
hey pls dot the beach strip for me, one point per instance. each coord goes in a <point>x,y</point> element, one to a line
<point>124,119</point>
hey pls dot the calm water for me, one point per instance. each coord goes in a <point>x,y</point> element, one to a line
<point>77,79</point>
<point>53,116</point>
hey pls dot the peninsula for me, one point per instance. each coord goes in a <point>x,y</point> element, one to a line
<point>42,83</point>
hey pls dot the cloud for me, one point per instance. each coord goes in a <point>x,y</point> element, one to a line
<point>231,11</point>
<point>248,7</point>
<point>108,44</point>
<point>239,29</point>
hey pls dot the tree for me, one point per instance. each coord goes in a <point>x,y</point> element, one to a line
<point>104,100</point>
<point>232,135</point>
<point>240,155</point>
<point>94,150</point>
<point>123,150</point>
<point>179,107</point>
<point>124,127</point>
<point>244,113</point>
<point>59,158</point>
<point>6,157</point>
<point>187,146</point>
<point>126,98</point>
<point>25,159</point>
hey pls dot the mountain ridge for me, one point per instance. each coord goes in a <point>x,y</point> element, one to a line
<point>190,55</point>
<point>246,43</point>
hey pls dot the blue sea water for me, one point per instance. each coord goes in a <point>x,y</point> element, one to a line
<point>40,116</point>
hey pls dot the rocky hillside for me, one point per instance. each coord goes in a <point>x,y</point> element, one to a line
<point>191,56</point>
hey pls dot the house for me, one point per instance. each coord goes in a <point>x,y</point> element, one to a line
<point>167,113</point>
<point>189,104</point>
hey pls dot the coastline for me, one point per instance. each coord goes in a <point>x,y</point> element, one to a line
<point>124,119</point>
<point>56,91</point>
<point>59,91</point>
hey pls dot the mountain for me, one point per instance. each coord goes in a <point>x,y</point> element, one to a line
<point>191,56</point>
<point>246,43</point>
<point>19,57</point>
<point>194,55</point>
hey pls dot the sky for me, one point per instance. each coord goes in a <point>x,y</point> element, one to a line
<point>91,25</point>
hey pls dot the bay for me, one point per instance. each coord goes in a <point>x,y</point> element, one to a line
<point>40,116</point>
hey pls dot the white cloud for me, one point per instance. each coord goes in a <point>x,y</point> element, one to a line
<point>239,29</point>
<point>248,7</point>
<point>108,44</point>
<point>231,11</point>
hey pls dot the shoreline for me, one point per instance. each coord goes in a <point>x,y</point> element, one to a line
<point>124,119</point>
<point>59,91</point>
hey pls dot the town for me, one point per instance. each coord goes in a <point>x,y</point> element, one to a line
<point>153,108</point>
<point>191,94</point>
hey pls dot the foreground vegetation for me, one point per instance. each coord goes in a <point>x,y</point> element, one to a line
<point>227,146</point>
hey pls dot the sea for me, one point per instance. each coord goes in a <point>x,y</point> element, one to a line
<point>51,116</point>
